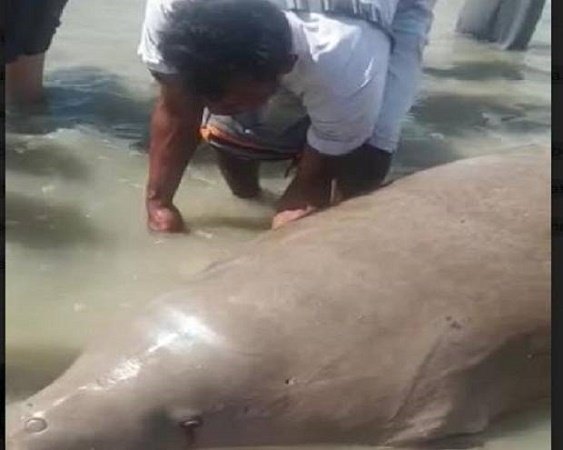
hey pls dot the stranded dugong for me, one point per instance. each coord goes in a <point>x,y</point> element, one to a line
<point>414,313</point>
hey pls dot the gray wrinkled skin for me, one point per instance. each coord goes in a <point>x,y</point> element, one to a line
<point>414,313</point>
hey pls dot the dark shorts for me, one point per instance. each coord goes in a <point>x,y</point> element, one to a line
<point>30,26</point>
<point>277,131</point>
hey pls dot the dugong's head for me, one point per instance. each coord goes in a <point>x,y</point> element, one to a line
<point>81,427</point>
<point>143,384</point>
<point>66,416</point>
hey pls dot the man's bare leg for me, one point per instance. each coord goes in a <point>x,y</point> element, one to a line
<point>24,80</point>
<point>241,175</point>
<point>361,171</point>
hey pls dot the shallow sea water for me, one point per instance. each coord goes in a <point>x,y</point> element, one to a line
<point>77,248</point>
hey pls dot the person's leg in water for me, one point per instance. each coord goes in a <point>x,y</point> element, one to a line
<point>411,27</point>
<point>30,27</point>
<point>241,175</point>
<point>24,80</point>
<point>365,169</point>
<point>360,171</point>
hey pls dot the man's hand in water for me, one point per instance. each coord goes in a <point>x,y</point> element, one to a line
<point>291,215</point>
<point>308,192</point>
<point>174,137</point>
<point>164,218</point>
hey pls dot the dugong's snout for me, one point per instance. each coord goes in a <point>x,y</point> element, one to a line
<point>15,427</point>
<point>9,426</point>
<point>25,429</point>
<point>85,426</point>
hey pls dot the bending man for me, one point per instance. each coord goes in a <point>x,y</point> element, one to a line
<point>352,67</point>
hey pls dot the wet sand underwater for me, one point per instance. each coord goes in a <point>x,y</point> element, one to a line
<point>77,248</point>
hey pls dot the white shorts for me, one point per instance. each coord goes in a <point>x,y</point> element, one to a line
<point>411,27</point>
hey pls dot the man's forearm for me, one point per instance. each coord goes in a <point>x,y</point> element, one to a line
<point>312,182</point>
<point>313,164</point>
<point>174,139</point>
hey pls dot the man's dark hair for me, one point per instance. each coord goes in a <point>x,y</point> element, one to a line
<point>213,42</point>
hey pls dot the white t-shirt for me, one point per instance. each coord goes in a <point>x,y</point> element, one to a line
<point>339,74</point>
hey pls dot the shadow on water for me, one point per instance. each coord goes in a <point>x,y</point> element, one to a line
<point>36,224</point>
<point>91,96</point>
<point>29,369</point>
<point>479,71</point>
<point>416,154</point>
<point>544,48</point>
<point>88,96</point>
<point>455,115</point>
<point>534,415</point>
<point>240,223</point>
<point>95,97</point>
<point>439,118</point>
<point>48,160</point>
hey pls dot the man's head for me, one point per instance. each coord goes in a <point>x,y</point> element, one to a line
<point>230,52</point>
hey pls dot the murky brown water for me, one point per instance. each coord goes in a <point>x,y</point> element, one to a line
<point>77,248</point>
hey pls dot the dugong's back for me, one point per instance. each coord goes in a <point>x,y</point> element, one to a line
<point>418,311</point>
<point>413,313</point>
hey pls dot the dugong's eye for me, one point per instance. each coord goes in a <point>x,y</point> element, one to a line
<point>189,426</point>
<point>35,425</point>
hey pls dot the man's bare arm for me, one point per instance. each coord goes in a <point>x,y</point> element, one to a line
<point>174,137</point>
<point>309,190</point>
<point>323,180</point>
<point>311,184</point>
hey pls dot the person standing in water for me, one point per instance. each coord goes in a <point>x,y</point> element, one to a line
<point>223,65</point>
<point>28,31</point>
<point>510,24</point>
